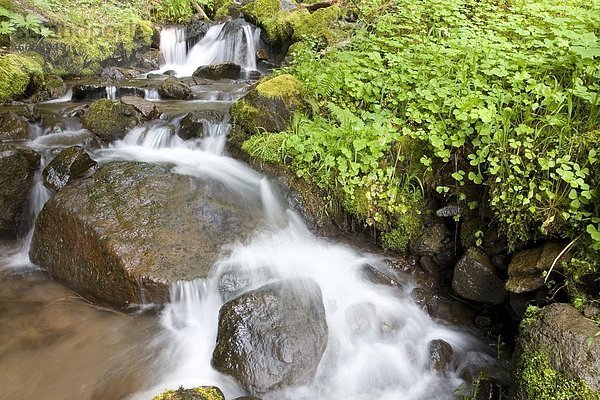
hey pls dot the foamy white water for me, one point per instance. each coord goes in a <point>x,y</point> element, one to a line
<point>234,41</point>
<point>378,343</point>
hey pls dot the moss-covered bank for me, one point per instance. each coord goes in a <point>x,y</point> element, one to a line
<point>20,75</point>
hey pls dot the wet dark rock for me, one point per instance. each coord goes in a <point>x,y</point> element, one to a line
<point>378,277</point>
<point>518,303</point>
<point>235,281</point>
<point>431,268</point>
<point>440,355</point>
<point>448,211</point>
<point>170,72</point>
<point>131,229</point>
<point>155,76</point>
<point>252,75</point>
<point>55,86</point>
<point>193,125</point>
<point>110,120</point>
<point>69,164</point>
<point>174,89</point>
<point>272,337</point>
<point>30,112</point>
<point>17,170</point>
<point>476,279</point>
<point>434,240</point>
<point>196,28</point>
<point>262,54</point>
<point>562,334</point>
<point>13,128</point>
<point>76,111</point>
<point>149,60</point>
<point>147,108</point>
<point>95,92</point>
<point>247,398</point>
<point>527,269</point>
<point>197,393</point>
<point>227,70</point>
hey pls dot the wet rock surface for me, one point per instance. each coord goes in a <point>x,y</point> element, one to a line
<point>17,170</point>
<point>227,70</point>
<point>132,228</point>
<point>562,334</point>
<point>272,337</point>
<point>111,120</point>
<point>69,164</point>
<point>526,271</point>
<point>13,127</point>
<point>193,125</point>
<point>476,279</point>
<point>432,242</point>
<point>440,355</point>
<point>147,108</point>
<point>171,88</point>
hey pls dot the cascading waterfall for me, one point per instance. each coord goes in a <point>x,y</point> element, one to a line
<point>234,41</point>
<point>111,92</point>
<point>378,344</point>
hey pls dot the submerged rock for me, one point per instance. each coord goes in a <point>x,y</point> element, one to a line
<point>171,88</point>
<point>69,164</point>
<point>272,337</point>
<point>440,355</point>
<point>111,120</point>
<point>131,229</point>
<point>197,393</point>
<point>558,337</point>
<point>526,271</point>
<point>13,127</point>
<point>17,170</point>
<point>475,278</point>
<point>227,70</point>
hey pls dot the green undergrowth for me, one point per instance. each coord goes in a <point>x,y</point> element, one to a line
<point>199,393</point>
<point>498,101</point>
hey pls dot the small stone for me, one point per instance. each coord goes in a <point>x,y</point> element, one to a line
<point>174,89</point>
<point>227,70</point>
<point>431,242</point>
<point>526,271</point>
<point>440,355</point>
<point>377,277</point>
<point>448,211</point>
<point>146,107</point>
<point>69,164</point>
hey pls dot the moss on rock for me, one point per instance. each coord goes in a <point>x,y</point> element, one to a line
<point>110,120</point>
<point>198,393</point>
<point>20,75</point>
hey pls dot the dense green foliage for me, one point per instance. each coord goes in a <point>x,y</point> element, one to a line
<point>499,98</point>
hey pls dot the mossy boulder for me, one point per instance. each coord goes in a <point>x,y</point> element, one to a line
<point>69,164</point>
<point>17,170</point>
<point>111,120</point>
<point>197,393</point>
<point>131,229</point>
<point>557,356</point>
<point>268,107</point>
<point>272,337</point>
<point>226,70</point>
<point>13,127</point>
<point>21,75</point>
<point>172,88</point>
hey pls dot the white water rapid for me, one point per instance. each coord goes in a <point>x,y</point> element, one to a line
<point>378,344</point>
<point>235,41</point>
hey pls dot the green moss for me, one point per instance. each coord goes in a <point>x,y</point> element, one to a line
<point>109,119</point>
<point>286,87</point>
<point>19,74</point>
<point>538,380</point>
<point>317,25</point>
<point>266,14</point>
<point>199,393</point>
<point>172,11</point>
<point>244,115</point>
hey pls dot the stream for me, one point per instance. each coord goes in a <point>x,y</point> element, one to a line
<point>56,344</point>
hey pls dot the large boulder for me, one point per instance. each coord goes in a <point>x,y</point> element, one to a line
<point>13,127</point>
<point>17,170</point>
<point>111,120</point>
<point>131,229</point>
<point>272,337</point>
<point>268,107</point>
<point>475,278</point>
<point>226,70</point>
<point>69,164</point>
<point>171,88</point>
<point>528,268</point>
<point>557,353</point>
<point>433,241</point>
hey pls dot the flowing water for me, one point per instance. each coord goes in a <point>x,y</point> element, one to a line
<point>56,345</point>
